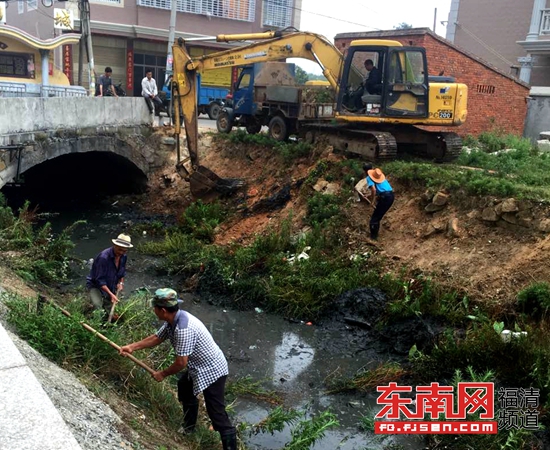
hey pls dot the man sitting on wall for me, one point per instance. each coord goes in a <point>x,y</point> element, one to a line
<point>149,91</point>
<point>104,85</point>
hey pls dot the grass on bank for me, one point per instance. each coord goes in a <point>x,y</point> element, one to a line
<point>288,150</point>
<point>517,169</point>
<point>34,253</point>
<point>509,166</point>
<point>68,344</point>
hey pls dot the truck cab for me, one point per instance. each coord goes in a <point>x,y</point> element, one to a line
<point>262,92</point>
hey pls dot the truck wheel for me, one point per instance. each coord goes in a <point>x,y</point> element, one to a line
<point>253,128</point>
<point>214,111</point>
<point>278,128</point>
<point>224,123</point>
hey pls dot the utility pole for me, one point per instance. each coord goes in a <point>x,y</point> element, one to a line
<point>84,6</point>
<point>435,19</point>
<point>81,50</point>
<point>171,38</point>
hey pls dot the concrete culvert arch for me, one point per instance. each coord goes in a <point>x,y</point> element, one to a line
<point>77,178</point>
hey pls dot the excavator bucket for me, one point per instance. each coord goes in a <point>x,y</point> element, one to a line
<point>203,181</point>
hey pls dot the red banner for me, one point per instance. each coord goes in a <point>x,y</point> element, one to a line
<point>234,78</point>
<point>130,67</point>
<point>68,62</point>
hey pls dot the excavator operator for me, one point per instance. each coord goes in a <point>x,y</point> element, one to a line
<point>372,85</point>
<point>373,82</point>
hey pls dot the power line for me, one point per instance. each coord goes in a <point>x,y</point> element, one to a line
<point>486,46</point>
<point>366,7</point>
<point>276,3</point>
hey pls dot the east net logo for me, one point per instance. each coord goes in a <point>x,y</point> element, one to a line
<point>437,409</point>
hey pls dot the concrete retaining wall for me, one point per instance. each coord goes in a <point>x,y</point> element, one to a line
<point>28,418</point>
<point>28,115</point>
<point>538,113</point>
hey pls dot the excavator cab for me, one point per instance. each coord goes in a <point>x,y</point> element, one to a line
<point>394,80</point>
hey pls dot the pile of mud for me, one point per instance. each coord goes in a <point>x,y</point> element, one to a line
<point>360,313</point>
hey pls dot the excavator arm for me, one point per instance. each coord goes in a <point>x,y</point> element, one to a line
<point>271,46</point>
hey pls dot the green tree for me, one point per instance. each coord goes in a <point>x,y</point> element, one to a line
<point>312,76</point>
<point>301,75</point>
<point>403,26</point>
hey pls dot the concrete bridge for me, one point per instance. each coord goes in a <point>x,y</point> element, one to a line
<point>36,130</point>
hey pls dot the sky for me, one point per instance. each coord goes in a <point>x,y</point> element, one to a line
<point>330,17</point>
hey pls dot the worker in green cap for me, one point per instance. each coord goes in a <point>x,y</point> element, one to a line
<point>195,350</point>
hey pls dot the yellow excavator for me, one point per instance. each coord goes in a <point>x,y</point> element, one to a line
<point>404,108</point>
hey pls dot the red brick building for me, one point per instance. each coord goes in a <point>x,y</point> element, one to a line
<point>496,101</point>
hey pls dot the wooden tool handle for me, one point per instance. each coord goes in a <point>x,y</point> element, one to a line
<point>99,335</point>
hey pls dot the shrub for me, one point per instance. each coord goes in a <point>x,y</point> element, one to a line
<point>293,150</point>
<point>41,255</point>
<point>535,300</point>
<point>322,207</point>
<point>520,173</point>
<point>55,336</point>
<point>470,141</point>
<point>289,150</point>
<point>491,141</point>
<point>201,219</point>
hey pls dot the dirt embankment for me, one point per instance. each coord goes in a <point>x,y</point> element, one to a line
<point>459,242</point>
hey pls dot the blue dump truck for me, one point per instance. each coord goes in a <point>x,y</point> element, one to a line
<point>266,94</point>
<point>210,99</point>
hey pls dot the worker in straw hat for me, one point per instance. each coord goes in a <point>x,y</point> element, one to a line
<point>106,278</point>
<point>196,350</point>
<point>381,193</point>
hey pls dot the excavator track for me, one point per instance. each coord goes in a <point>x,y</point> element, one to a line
<point>453,146</point>
<point>373,145</point>
<point>438,146</point>
<point>387,146</point>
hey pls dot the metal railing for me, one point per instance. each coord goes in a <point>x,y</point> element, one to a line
<point>545,22</point>
<point>10,89</point>
<point>226,9</point>
<point>62,91</point>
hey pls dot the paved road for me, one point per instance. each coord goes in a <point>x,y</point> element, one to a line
<point>205,122</point>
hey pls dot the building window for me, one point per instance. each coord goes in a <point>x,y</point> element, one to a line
<point>108,2</point>
<point>277,13</point>
<point>226,9</point>
<point>18,65</point>
<point>20,6</point>
<point>32,4</point>
<point>163,4</point>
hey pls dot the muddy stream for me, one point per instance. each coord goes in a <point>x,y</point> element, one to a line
<point>291,358</point>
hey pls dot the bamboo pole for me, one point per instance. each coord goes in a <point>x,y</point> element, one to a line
<point>96,333</point>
